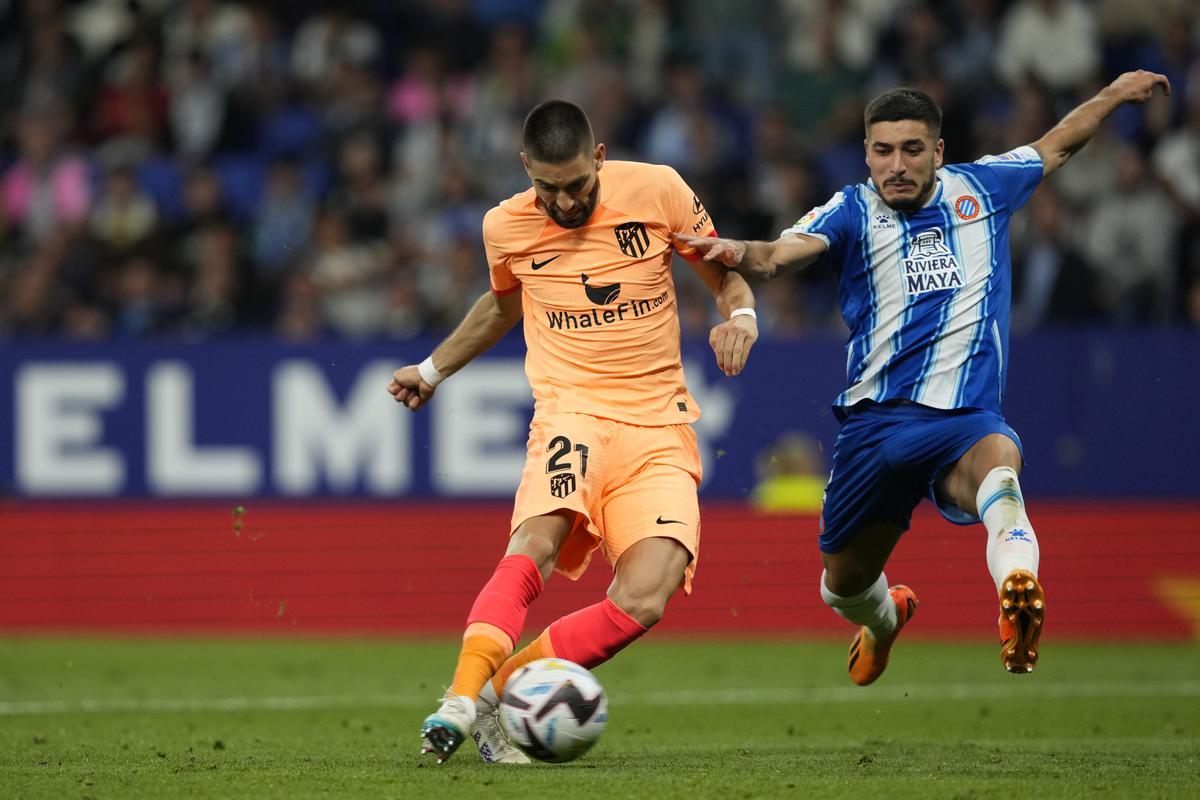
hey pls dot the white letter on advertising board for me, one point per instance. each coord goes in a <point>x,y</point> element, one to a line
<point>480,426</point>
<point>175,464</point>
<point>58,427</point>
<point>368,437</point>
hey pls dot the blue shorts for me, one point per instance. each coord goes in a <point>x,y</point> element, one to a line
<point>888,457</point>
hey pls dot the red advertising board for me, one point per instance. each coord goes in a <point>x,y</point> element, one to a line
<point>1110,570</point>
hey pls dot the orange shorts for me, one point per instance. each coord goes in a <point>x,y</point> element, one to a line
<point>625,482</point>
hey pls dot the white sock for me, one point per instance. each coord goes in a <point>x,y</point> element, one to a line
<point>873,607</point>
<point>1011,541</point>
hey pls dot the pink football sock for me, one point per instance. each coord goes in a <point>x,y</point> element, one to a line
<point>593,635</point>
<point>504,600</point>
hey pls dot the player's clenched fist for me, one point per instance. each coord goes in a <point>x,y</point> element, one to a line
<point>408,388</point>
<point>731,342</point>
<point>728,252</point>
<point>1138,86</point>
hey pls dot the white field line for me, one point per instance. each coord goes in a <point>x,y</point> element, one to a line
<point>1017,687</point>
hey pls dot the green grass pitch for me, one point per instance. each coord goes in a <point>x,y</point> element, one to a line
<point>93,718</point>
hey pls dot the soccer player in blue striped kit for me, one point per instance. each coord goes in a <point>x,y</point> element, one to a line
<point>925,289</point>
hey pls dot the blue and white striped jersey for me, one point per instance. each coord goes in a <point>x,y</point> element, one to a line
<point>926,293</point>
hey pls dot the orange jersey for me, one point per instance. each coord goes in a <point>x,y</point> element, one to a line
<point>600,315</point>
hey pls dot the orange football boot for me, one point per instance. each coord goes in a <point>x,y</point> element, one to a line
<point>1022,611</point>
<point>868,655</point>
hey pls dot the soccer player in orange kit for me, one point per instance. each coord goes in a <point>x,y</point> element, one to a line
<point>584,256</point>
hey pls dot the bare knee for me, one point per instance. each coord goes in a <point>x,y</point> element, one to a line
<point>855,568</point>
<point>648,573</point>
<point>845,575</point>
<point>540,538</point>
<point>962,481</point>
<point>644,604</point>
<point>847,580</point>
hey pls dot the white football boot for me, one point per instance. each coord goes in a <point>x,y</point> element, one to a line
<point>448,727</point>
<point>494,745</point>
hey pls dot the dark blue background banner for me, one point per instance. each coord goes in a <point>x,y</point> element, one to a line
<point>1100,415</point>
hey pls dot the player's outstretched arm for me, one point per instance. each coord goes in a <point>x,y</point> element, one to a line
<point>732,339</point>
<point>758,260</point>
<point>1075,130</point>
<point>492,316</point>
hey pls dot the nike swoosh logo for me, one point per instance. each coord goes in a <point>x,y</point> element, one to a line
<point>662,521</point>
<point>539,264</point>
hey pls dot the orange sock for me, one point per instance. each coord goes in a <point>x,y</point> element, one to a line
<point>538,648</point>
<point>485,648</point>
<point>495,622</point>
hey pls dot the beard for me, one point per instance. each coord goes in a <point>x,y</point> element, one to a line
<point>583,211</point>
<point>916,202</point>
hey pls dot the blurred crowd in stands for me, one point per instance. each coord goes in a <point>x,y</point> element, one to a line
<point>190,168</point>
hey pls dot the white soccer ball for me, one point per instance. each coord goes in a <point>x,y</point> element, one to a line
<point>554,710</point>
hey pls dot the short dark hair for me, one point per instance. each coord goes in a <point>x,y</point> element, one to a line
<point>556,131</point>
<point>895,105</point>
